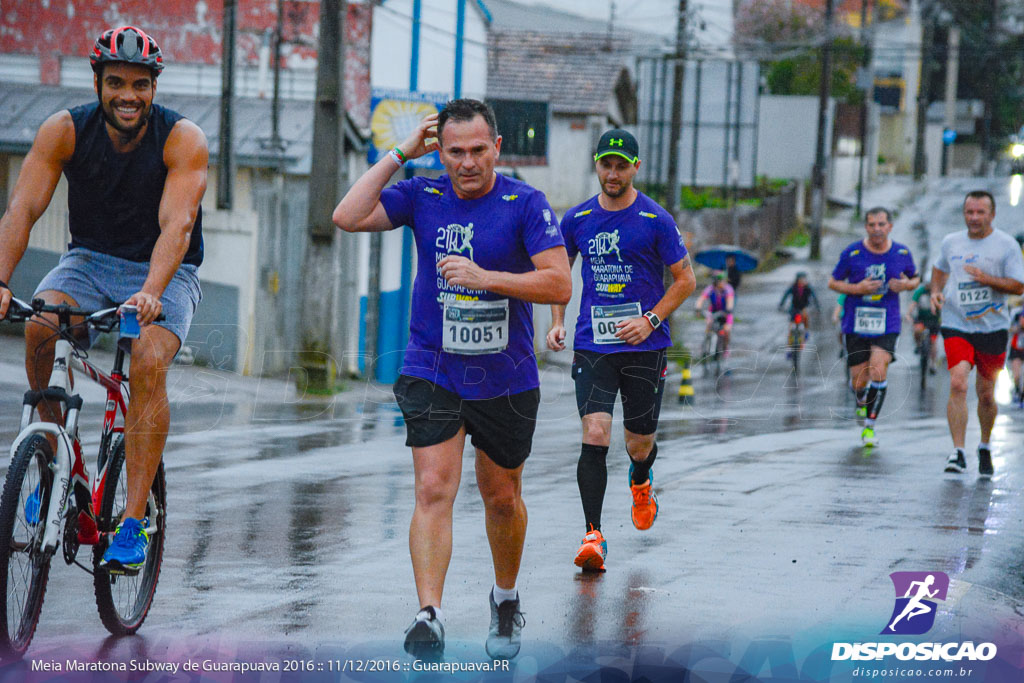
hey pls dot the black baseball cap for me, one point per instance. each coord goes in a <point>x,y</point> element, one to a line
<point>620,142</point>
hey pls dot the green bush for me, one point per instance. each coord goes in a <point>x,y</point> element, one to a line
<point>691,200</point>
<point>797,237</point>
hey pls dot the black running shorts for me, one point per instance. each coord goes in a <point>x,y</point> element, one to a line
<point>638,375</point>
<point>858,347</point>
<point>501,427</point>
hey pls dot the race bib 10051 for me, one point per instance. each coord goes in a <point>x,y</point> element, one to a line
<point>475,327</point>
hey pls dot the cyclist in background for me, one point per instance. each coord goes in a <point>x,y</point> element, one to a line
<point>925,320</point>
<point>720,297</point>
<point>800,296</point>
<point>136,174</point>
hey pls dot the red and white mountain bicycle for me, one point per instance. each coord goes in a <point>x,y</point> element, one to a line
<point>50,501</point>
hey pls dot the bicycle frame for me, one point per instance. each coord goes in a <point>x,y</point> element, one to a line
<point>69,466</point>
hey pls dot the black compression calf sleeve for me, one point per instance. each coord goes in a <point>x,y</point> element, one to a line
<point>642,470</point>
<point>876,407</point>
<point>592,478</point>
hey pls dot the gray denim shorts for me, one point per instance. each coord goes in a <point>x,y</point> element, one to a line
<point>96,281</point>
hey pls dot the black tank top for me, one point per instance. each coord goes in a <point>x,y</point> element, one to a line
<point>114,199</point>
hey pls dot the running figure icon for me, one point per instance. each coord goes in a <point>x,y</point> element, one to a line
<point>916,607</point>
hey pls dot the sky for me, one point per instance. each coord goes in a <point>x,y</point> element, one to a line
<point>655,16</point>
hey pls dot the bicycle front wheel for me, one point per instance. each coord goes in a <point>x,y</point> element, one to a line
<point>26,567</point>
<point>124,600</point>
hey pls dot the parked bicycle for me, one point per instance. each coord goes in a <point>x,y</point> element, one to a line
<point>50,501</point>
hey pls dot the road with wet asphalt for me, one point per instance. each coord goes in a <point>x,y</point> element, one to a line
<point>288,516</point>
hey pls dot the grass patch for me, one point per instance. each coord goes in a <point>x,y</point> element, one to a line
<point>797,237</point>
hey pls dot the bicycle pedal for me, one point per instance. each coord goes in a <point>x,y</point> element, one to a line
<point>120,570</point>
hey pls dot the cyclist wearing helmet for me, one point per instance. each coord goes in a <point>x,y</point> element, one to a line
<point>800,296</point>
<point>136,174</point>
<point>720,297</point>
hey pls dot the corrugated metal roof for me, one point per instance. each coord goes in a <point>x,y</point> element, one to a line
<point>23,108</point>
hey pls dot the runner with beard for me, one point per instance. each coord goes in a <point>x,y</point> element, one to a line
<point>625,240</point>
<point>136,173</point>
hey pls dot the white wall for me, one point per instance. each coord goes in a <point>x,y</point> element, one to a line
<point>391,47</point>
<point>787,135</point>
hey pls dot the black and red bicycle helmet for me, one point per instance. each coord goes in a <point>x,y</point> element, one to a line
<point>127,44</point>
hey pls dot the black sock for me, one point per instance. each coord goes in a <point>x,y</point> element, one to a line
<point>642,470</point>
<point>875,407</point>
<point>862,396</point>
<point>592,477</point>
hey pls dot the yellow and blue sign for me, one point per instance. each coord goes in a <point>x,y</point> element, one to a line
<point>394,115</point>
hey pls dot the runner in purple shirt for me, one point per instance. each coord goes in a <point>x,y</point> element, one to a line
<point>872,272</point>
<point>488,247</point>
<point>625,241</point>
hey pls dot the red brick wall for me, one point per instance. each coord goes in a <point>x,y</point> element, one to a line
<point>188,31</point>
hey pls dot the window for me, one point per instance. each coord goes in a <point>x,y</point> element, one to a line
<point>523,127</point>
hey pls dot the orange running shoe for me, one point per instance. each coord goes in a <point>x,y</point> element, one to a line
<point>591,554</point>
<point>645,502</point>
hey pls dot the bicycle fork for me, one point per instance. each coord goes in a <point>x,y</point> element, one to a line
<point>61,466</point>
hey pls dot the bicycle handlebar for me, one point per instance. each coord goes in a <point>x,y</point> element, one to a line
<point>103,320</point>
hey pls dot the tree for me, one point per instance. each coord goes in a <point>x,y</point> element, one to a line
<point>785,35</point>
<point>776,23</point>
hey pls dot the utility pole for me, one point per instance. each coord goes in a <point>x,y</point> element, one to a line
<point>327,175</point>
<point>226,161</point>
<point>675,129</point>
<point>991,53</point>
<point>275,110</point>
<point>869,96</point>
<point>818,173</point>
<point>952,68</point>
<point>923,90</point>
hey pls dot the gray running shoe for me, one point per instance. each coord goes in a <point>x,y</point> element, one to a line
<point>506,634</point>
<point>424,639</point>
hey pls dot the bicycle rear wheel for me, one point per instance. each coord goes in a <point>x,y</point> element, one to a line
<point>26,567</point>
<point>124,600</point>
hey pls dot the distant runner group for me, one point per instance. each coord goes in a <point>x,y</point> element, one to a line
<point>977,270</point>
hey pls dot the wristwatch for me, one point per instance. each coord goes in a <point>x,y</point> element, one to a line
<point>653,319</point>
